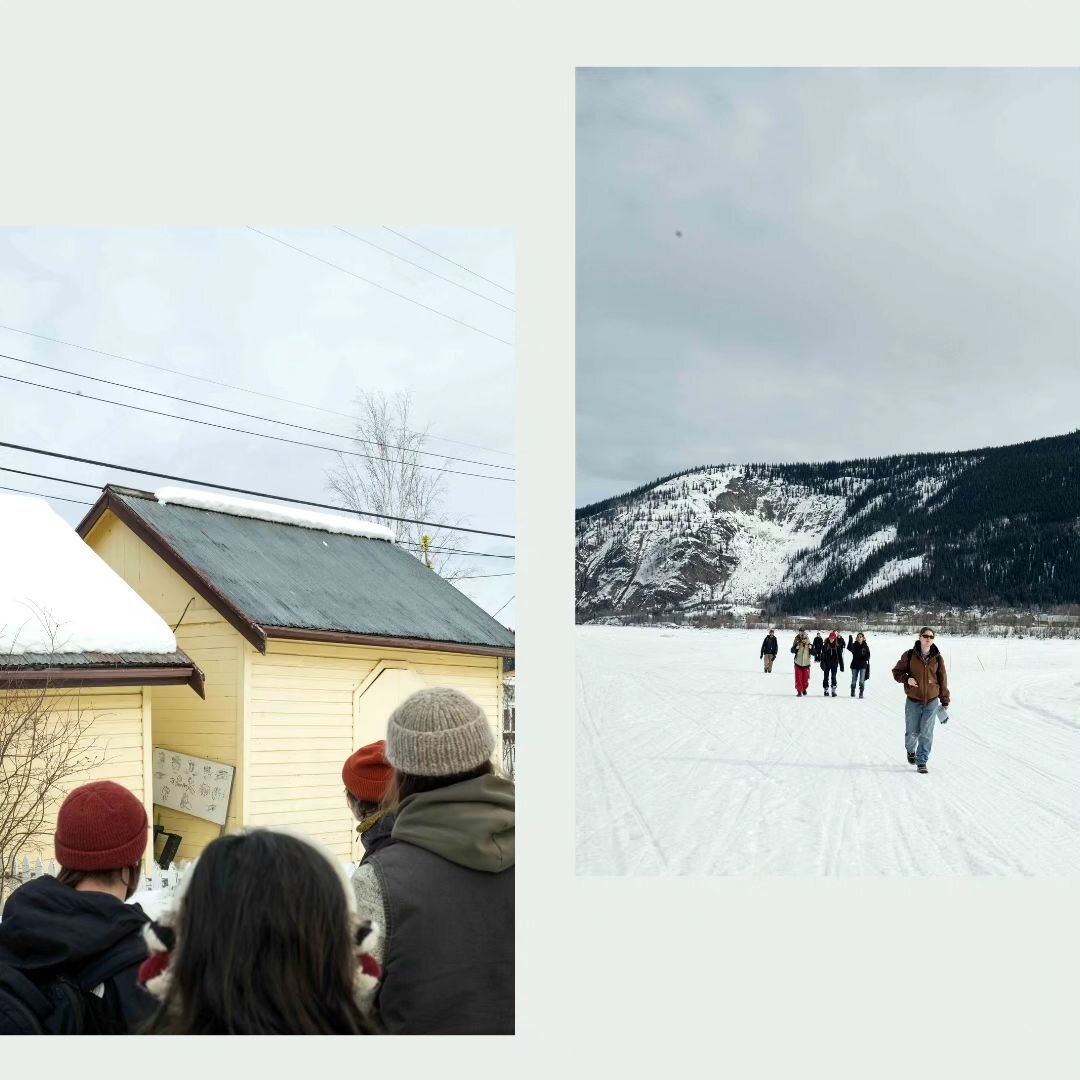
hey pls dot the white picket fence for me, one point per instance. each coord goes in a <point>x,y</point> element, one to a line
<point>151,880</point>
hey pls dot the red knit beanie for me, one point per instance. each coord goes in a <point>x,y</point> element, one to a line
<point>367,773</point>
<point>100,826</point>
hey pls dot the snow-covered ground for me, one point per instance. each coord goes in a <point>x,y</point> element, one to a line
<point>691,760</point>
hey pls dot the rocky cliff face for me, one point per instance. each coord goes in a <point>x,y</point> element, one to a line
<point>998,525</point>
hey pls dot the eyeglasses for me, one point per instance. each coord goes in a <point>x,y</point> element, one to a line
<point>927,637</point>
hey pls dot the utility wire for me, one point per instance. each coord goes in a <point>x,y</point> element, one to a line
<point>242,431</point>
<point>45,476</point>
<point>476,577</point>
<point>432,251</point>
<point>228,386</point>
<point>368,281</point>
<point>80,502</point>
<point>97,487</point>
<point>249,416</point>
<point>449,281</point>
<point>257,494</point>
<point>504,605</point>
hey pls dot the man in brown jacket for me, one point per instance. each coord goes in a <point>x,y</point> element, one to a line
<point>922,671</point>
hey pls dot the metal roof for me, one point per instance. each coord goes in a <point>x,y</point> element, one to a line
<point>94,660</point>
<point>283,575</point>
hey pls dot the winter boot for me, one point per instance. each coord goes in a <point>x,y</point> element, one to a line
<point>922,768</point>
<point>911,759</point>
<point>860,691</point>
<point>834,691</point>
<point>853,691</point>
<point>826,691</point>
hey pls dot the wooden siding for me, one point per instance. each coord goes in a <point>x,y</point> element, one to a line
<point>286,720</point>
<point>301,725</point>
<point>116,734</point>
<point>181,720</point>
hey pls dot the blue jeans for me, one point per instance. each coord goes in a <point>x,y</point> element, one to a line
<point>919,723</point>
<point>858,677</point>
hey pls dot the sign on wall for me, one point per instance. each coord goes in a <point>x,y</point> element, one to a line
<point>192,785</point>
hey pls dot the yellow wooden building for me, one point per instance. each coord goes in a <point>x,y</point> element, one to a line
<point>309,628</point>
<point>77,643</point>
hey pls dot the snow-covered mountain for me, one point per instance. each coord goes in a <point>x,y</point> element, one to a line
<point>999,525</point>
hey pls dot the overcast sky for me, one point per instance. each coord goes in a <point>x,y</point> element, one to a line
<point>232,305</point>
<point>871,261</point>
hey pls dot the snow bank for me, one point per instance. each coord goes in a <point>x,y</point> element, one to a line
<point>262,511</point>
<point>58,596</point>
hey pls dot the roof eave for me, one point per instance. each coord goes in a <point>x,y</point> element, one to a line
<point>74,678</point>
<point>340,637</point>
<point>250,631</point>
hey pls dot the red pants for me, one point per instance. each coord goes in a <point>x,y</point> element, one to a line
<point>802,678</point>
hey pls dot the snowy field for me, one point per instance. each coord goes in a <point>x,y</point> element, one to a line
<point>691,760</point>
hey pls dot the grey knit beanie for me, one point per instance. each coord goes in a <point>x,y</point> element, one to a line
<point>438,732</point>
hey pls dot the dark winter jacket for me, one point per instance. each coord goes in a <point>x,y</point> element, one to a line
<point>932,679</point>
<point>860,655</point>
<point>769,646</point>
<point>50,930</point>
<point>377,835</point>
<point>447,885</point>
<point>816,647</point>
<point>832,654</point>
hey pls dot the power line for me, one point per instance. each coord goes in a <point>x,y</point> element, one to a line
<point>229,386</point>
<point>241,431</point>
<point>249,416</point>
<point>45,476</point>
<point>504,605</point>
<point>368,281</point>
<point>81,502</point>
<point>449,281</point>
<point>97,487</point>
<point>257,494</point>
<point>432,251</point>
<point>476,577</point>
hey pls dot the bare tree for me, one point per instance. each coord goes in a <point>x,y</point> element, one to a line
<point>399,480</point>
<point>45,745</point>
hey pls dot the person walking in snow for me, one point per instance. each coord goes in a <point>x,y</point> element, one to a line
<point>444,887</point>
<point>818,642</point>
<point>830,657</point>
<point>70,947</point>
<point>860,661</point>
<point>265,942</point>
<point>367,776</point>
<point>802,650</point>
<point>769,648</point>
<point>921,669</point>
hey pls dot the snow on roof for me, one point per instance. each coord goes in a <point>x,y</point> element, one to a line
<point>58,596</point>
<point>263,511</point>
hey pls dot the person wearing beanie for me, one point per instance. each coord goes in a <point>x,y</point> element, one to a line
<point>443,891</point>
<point>831,657</point>
<point>70,947</point>
<point>367,776</point>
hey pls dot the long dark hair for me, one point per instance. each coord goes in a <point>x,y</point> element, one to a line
<point>406,784</point>
<point>264,944</point>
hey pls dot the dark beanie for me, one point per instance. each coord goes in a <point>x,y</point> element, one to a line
<point>100,826</point>
<point>367,773</point>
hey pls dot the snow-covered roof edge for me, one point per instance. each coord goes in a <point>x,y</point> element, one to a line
<point>60,596</point>
<point>264,511</point>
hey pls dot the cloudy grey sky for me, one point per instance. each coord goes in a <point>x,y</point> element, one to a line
<point>871,261</point>
<point>232,305</point>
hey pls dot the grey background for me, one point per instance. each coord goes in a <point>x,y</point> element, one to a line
<point>871,261</point>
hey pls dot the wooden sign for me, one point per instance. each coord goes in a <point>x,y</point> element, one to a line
<point>192,785</point>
